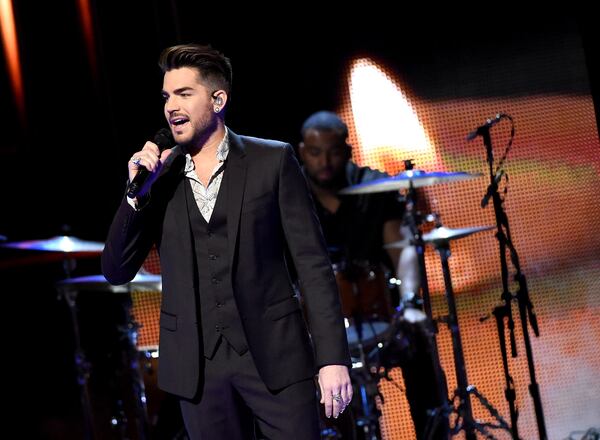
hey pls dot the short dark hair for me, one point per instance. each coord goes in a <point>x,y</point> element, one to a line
<point>214,68</point>
<point>325,121</point>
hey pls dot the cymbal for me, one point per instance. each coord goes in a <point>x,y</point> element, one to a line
<point>441,235</point>
<point>418,178</point>
<point>60,243</point>
<point>99,283</point>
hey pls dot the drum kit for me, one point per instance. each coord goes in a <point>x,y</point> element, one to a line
<point>376,335</point>
<point>372,325</point>
<point>115,368</point>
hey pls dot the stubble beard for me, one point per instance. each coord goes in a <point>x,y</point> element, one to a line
<point>201,132</point>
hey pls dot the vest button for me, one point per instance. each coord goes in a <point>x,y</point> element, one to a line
<point>212,257</point>
<point>214,281</point>
<point>217,328</point>
<point>218,304</point>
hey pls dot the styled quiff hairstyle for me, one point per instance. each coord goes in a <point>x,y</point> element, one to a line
<point>214,68</point>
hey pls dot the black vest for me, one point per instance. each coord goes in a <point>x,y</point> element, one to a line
<point>219,315</point>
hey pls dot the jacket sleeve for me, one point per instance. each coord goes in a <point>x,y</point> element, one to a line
<point>130,238</point>
<point>309,253</point>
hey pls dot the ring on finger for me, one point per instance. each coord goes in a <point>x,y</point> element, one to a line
<point>136,160</point>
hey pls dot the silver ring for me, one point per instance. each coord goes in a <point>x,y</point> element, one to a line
<point>136,160</point>
<point>337,397</point>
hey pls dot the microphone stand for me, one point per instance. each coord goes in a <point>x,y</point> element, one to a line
<point>501,312</point>
<point>526,313</point>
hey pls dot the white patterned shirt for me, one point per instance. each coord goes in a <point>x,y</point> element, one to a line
<point>206,196</point>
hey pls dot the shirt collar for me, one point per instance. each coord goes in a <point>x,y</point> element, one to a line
<point>222,152</point>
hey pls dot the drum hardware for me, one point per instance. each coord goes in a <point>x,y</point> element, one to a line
<point>82,366</point>
<point>367,422</point>
<point>66,248</point>
<point>409,345</point>
<point>464,420</point>
<point>396,346</point>
<point>63,248</point>
<point>408,179</point>
<point>61,243</point>
<point>504,311</point>
<point>142,281</point>
<point>127,334</point>
<point>366,309</point>
<point>414,219</point>
<point>366,379</point>
<point>442,233</point>
<point>365,303</point>
<point>406,314</point>
<point>411,179</point>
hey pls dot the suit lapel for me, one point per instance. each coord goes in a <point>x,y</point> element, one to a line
<point>235,174</point>
<point>179,206</point>
<point>173,170</point>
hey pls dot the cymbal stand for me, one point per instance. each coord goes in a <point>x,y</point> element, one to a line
<point>413,219</point>
<point>82,366</point>
<point>465,421</point>
<point>526,313</point>
<point>368,422</point>
<point>130,334</point>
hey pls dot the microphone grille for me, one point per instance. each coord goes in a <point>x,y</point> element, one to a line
<point>164,139</point>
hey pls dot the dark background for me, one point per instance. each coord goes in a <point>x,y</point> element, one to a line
<point>66,164</point>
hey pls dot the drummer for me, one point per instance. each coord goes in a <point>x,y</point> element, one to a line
<point>357,227</point>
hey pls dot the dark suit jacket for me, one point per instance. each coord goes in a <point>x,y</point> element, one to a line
<point>269,213</point>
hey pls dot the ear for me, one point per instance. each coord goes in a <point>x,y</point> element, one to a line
<point>219,100</point>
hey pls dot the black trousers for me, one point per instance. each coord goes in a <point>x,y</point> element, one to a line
<point>235,403</point>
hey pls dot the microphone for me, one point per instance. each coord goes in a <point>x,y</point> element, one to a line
<point>488,124</point>
<point>164,139</point>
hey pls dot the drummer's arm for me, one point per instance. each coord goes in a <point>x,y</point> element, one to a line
<point>405,260</point>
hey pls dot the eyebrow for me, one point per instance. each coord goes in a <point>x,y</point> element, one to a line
<point>177,91</point>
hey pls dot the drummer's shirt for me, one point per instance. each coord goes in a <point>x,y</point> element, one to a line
<point>354,233</point>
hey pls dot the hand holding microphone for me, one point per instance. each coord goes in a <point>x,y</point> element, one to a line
<point>145,165</point>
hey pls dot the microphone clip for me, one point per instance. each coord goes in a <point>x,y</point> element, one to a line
<point>489,123</point>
